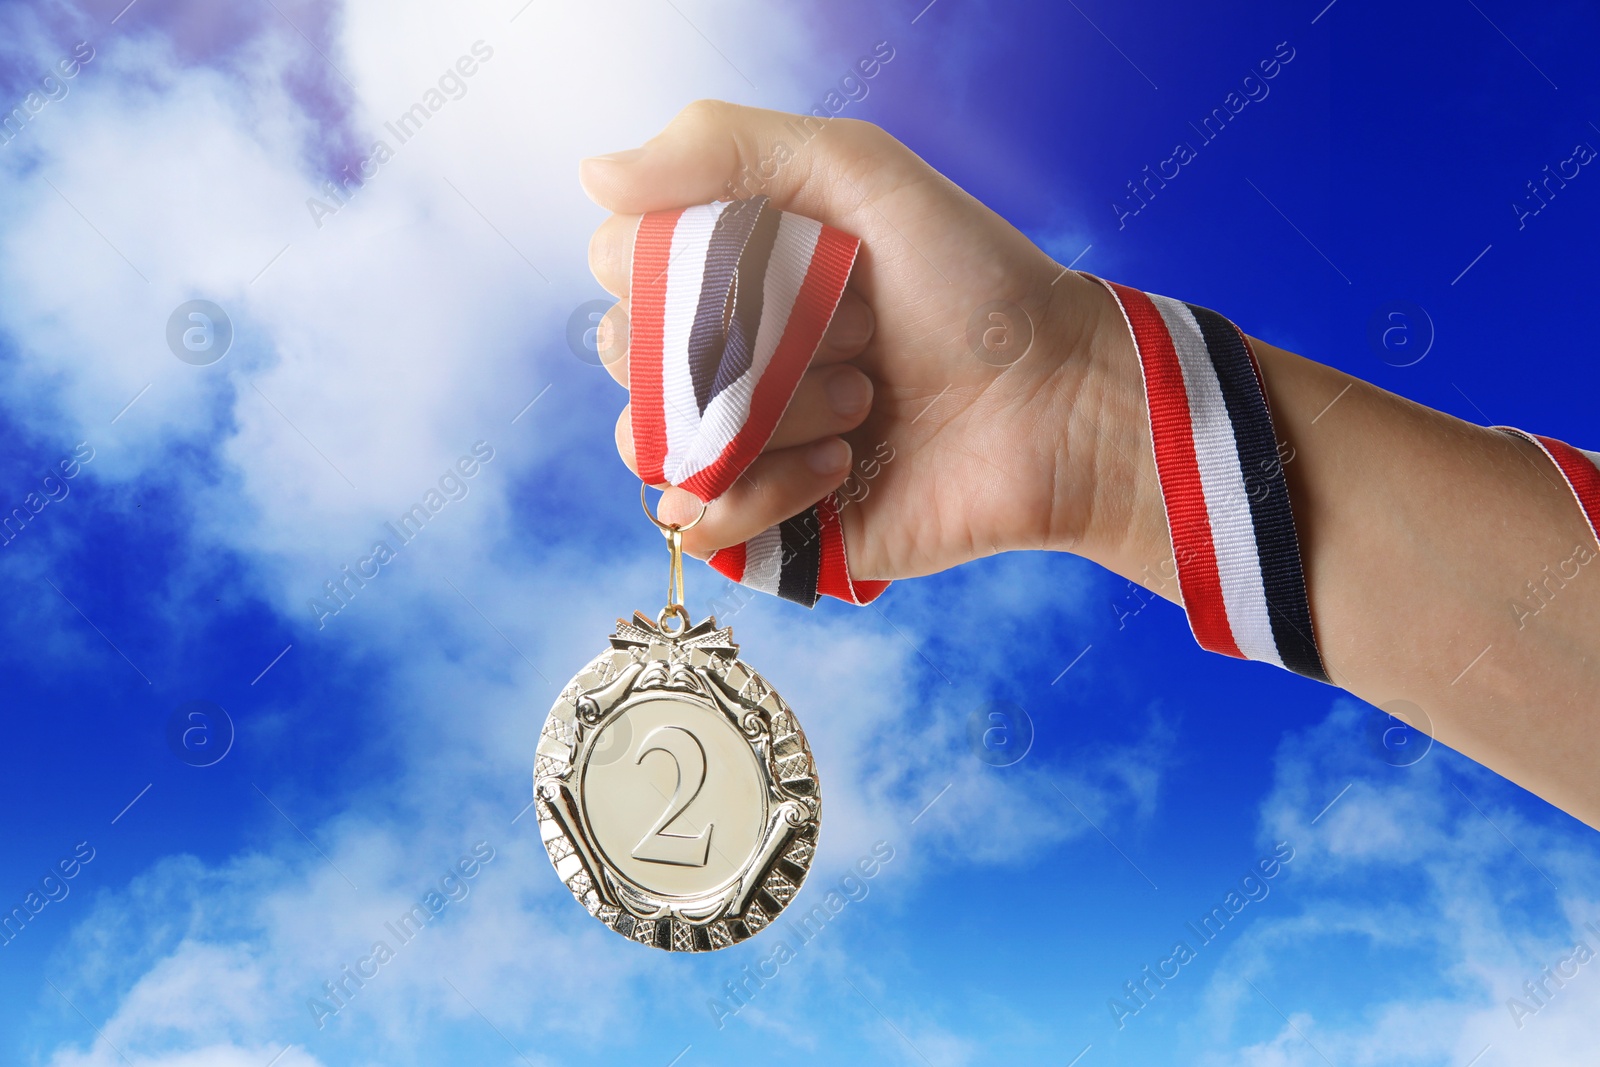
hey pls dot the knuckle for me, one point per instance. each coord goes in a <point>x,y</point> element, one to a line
<point>610,251</point>
<point>598,253</point>
<point>624,440</point>
<point>859,134</point>
<point>616,318</point>
<point>706,112</point>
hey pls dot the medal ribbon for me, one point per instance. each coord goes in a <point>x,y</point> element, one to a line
<point>1233,537</point>
<point>728,304</point>
<point>1580,469</point>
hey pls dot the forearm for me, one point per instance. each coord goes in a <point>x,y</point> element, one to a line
<point>1420,535</point>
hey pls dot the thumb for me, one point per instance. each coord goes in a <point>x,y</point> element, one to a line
<point>714,150</point>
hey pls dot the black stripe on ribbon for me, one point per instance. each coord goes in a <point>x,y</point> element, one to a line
<point>735,269</point>
<point>1277,545</point>
<point>802,557</point>
<point>749,297</point>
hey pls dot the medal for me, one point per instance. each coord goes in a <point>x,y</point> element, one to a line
<point>676,794</point>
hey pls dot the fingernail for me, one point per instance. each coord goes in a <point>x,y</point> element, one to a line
<point>828,457</point>
<point>630,155</point>
<point>849,391</point>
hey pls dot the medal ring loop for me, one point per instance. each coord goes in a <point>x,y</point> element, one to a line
<point>673,611</point>
<point>668,527</point>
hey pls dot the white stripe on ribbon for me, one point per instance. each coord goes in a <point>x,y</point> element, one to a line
<point>792,251</point>
<point>763,561</point>
<point>1233,532</point>
<point>685,274</point>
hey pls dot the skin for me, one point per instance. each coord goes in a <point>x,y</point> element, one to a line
<point>1411,566</point>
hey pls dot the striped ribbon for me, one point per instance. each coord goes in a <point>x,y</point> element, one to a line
<point>1233,536</point>
<point>1580,468</point>
<point>728,304</point>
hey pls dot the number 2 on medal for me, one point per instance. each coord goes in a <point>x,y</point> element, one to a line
<point>657,846</point>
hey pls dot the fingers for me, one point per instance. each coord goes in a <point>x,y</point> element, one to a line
<point>829,401</point>
<point>778,486</point>
<point>715,150</point>
<point>614,325</point>
<point>611,261</point>
<point>611,253</point>
<point>849,332</point>
<point>846,338</point>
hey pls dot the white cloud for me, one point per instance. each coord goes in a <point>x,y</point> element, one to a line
<point>369,354</point>
<point>1404,868</point>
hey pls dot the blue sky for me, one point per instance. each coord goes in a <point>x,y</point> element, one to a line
<point>370,353</point>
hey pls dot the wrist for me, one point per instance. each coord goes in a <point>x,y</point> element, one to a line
<point>1108,505</point>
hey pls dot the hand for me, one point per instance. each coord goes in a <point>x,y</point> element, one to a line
<point>986,458</point>
<point>1414,527</point>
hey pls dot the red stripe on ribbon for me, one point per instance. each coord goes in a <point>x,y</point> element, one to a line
<point>828,264</point>
<point>729,562</point>
<point>652,253</point>
<point>1582,476</point>
<point>1172,433</point>
<point>833,574</point>
<point>813,309</point>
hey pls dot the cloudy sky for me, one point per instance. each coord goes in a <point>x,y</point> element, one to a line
<point>377,336</point>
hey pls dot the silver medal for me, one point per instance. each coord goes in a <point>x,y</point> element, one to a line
<point>676,793</point>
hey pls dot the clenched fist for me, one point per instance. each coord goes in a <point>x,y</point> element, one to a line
<point>988,451</point>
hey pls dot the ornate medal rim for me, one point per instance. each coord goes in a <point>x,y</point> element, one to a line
<point>699,663</point>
